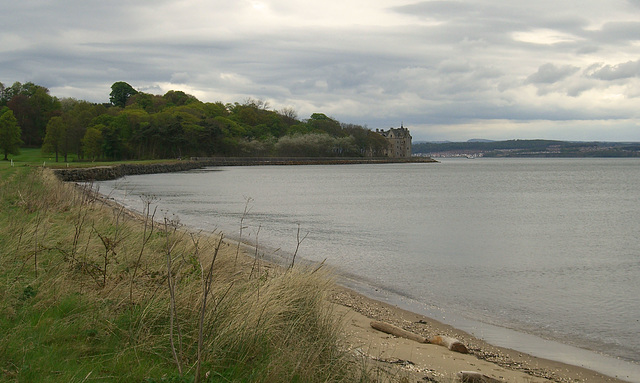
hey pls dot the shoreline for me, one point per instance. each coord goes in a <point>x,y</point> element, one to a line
<point>356,309</point>
<point>423,362</point>
<point>437,362</point>
<point>378,307</point>
<point>376,303</point>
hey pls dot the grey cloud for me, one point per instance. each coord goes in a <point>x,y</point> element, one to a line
<point>478,110</point>
<point>587,49</point>
<point>431,61</point>
<point>626,70</point>
<point>180,78</point>
<point>454,67</point>
<point>348,76</point>
<point>549,74</point>
<point>579,87</point>
<point>635,3</point>
<point>463,21</point>
<point>50,18</point>
<point>618,32</point>
<point>438,9</point>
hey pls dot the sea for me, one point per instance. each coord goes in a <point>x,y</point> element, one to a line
<point>540,255</point>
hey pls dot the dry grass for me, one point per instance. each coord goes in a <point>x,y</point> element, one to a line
<point>91,291</point>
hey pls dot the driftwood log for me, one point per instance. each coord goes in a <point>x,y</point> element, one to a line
<point>476,377</point>
<point>448,342</point>
<point>397,331</point>
<point>451,343</point>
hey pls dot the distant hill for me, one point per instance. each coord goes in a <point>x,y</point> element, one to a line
<point>527,148</point>
<point>479,140</point>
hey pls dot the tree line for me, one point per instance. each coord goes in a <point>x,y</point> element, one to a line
<point>138,125</point>
<point>529,148</point>
<point>430,147</point>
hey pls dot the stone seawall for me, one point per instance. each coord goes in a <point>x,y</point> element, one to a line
<point>104,173</point>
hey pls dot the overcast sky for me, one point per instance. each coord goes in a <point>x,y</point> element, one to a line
<point>449,70</point>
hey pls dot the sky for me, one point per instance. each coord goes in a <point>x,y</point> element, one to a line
<point>447,70</point>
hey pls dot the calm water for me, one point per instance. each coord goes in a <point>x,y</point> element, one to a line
<point>548,247</point>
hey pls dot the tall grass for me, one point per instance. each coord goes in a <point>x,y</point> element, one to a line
<point>92,292</point>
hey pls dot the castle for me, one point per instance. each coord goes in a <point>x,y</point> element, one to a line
<point>399,141</point>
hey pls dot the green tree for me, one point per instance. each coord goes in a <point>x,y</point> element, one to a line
<point>32,106</point>
<point>319,122</point>
<point>3,100</point>
<point>77,116</point>
<point>55,141</point>
<point>9,133</point>
<point>120,93</point>
<point>92,142</point>
<point>178,98</point>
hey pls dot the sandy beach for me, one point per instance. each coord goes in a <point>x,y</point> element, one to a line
<point>423,362</point>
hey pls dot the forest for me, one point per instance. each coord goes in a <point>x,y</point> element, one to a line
<point>135,125</point>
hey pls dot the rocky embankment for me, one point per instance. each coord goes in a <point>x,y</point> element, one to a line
<point>104,173</point>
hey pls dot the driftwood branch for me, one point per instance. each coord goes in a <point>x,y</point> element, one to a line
<point>397,331</point>
<point>440,340</point>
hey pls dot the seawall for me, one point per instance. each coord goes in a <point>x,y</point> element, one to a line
<point>104,173</point>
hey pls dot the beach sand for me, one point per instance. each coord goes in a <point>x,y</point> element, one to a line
<point>423,362</point>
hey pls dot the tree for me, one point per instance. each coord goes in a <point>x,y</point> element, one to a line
<point>9,133</point>
<point>77,116</point>
<point>319,122</point>
<point>92,142</point>
<point>306,145</point>
<point>55,141</point>
<point>3,100</point>
<point>32,106</point>
<point>178,98</point>
<point>120,93</point>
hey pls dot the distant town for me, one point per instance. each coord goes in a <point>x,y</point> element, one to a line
<point>525,148</point>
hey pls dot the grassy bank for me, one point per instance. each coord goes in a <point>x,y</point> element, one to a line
<point>35,157</point>
<point>92,293</point>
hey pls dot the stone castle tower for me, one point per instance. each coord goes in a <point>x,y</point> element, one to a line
<point>399,141</point>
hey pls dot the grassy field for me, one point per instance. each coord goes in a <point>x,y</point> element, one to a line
<point>35,157</point>
<point>93,293</point>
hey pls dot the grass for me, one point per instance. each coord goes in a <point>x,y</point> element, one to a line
<point>86,297</point>
<point>35,157</point>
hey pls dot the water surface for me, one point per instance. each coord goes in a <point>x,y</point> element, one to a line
<point>547,247</point>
